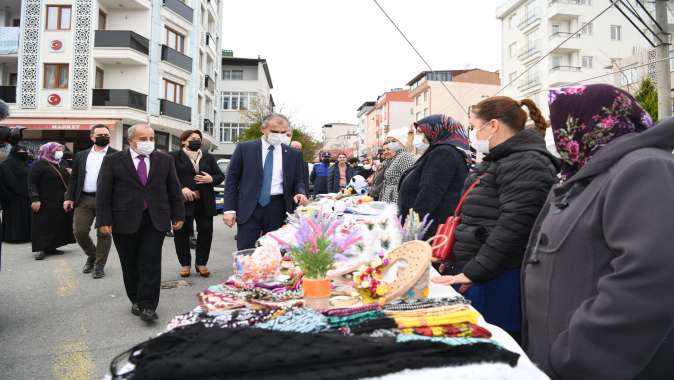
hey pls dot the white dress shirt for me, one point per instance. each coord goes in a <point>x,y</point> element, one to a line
<point>277,173</point>
<point>136,161</point>
<point>92,167</point>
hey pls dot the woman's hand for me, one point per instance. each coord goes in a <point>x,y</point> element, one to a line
<point>189,195</point>
<point>35,206</point>
<point>203,178</point>
<point>460,278</point>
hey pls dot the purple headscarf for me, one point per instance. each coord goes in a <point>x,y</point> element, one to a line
<point>442,129</point>
<point>586,118</point>
<point>47,150</point>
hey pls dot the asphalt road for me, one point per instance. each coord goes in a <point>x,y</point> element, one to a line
<point>58,323</point>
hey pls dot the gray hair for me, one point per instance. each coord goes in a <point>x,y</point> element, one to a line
<point>273,116</point>
<point>131,132</point>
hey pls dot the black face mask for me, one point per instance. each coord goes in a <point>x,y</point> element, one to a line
<point>326,161</point>
<point>194,145</point>
<point>102,141</point>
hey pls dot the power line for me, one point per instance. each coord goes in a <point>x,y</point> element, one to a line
<point>419,54</point>
<point>649,14</point>
<point>633,11</point>
<point>555,48</point>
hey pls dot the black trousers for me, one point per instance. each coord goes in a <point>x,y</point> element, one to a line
<point>204,237</point>
<point>265,219</point>
<point>140,256</point>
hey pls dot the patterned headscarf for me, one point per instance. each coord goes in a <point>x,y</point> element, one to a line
<point>586,118</point>
<point>47,152</point>
<point>442,129</point>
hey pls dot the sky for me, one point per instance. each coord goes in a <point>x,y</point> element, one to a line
<point>327,57</point>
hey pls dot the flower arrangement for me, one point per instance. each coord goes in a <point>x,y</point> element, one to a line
<point>414,227</point>
<point>369,280</point>
<point>319,243</point>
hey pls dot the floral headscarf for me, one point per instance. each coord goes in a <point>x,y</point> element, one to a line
<point>586,118</point>
<point>47,152</point>
<point>442,129</point>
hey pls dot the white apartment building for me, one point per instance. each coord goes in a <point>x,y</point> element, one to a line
<point>77,63</point>
<point>531,28</point>
<point>363,130</point>
<point>340,138</point>
<point>245,91</point>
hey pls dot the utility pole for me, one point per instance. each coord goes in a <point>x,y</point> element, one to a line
<point>663,78</point>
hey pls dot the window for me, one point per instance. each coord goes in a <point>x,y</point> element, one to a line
<point>555,29</point>
<point>102,20</point>
<point>418,116</point>
<point>629,76</point>
<point>417,100</point>
<point>586,29</point>
<point>238,100</point>
<point>13,79</point>
<point>425,96</point>
<point>425,111</point>
<point>585,2</point>
<point>512,50</point>
<point>232,75</point>
<point>512,76</point>
<point>616,32</point>
<point>99,78</point>
<point>556,61</point>
<point>175,40</point>
<point>173,91</point>
<point>58,17</point>
<point>587,62</point>
<point>230,132</point>
<point>55,75</point>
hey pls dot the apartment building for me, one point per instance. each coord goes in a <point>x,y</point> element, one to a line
<point>340,138</point>
<point>531,28</point>
<point>392,110</point>
<point>245,96</point>
<point>429,95</point>
<point>363,130</point>
<point>77,63</point>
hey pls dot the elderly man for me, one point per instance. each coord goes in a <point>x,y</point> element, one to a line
<point>264,181</point>
<point>137,198</point>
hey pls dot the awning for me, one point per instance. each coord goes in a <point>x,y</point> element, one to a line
<point>66,124</point>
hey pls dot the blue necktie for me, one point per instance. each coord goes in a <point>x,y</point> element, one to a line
<point>265,193</point>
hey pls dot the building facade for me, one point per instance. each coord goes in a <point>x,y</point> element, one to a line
<point>245,97</point>
<point>112,62</point>
<point>362,114</point>
<point>429,95</point>
<point>392,110</point>
<point>340,138</point>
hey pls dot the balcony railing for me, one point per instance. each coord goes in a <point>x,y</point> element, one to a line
<point>529,51</point>
<point>529,19</point>
<point>175,110</point>
<point>9,40</point>
<point>175,57</point>
<point>564,35</point>
<point>121,39</point>
<point>572,2</point>
<point>565,68</point>
<point>529,82</point>
<point>118,98</point>
<point>208,127</point>
<point>8,94</point>
<point>180,8</point>
<point>209,83</point>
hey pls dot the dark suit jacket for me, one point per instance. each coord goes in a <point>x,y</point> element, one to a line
<point>120,196</point>
<point>244,178</point>
<point>186,174</point>
<point>79,171</point>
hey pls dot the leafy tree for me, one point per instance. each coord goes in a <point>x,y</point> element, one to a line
<point>647,96</point>
<point>310,146</point>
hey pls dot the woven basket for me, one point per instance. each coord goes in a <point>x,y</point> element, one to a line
<point>412,281</point>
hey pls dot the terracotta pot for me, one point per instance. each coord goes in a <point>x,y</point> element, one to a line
<point>316,288</point>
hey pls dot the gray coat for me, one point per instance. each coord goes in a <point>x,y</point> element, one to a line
<point>598,278</point>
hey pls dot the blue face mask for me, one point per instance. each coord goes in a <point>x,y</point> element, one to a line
<point>395,146</point>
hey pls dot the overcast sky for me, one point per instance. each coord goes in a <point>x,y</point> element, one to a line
<point>327,57</point>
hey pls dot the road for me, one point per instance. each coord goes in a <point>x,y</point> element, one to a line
<point>58,323</point>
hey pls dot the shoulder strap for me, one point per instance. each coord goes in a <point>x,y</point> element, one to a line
<point>465,195</point>
<point>59,174</point>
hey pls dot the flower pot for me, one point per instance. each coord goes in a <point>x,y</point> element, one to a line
<point>316,292</point>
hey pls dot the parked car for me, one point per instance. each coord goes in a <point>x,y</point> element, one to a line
<point>223,164</point>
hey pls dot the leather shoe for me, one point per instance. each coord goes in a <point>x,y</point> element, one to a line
<point>89,265</point>
<point>148,315</point>
<point>135,309</point>
<point>40,255</point>
<point>98,272</point>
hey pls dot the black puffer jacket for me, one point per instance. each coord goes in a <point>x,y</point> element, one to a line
<point>496,219</point>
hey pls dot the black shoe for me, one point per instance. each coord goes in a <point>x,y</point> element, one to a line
<point>135,309</point>
<point>89,265</point>
<point>148,315</point>
<point>56,252</point>
<point>98,272</point>
<point>40,255</point>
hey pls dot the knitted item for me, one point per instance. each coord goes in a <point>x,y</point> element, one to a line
<point>468,315</point>
<point>298,320</point>
<point>447,341</point>
<point>344,311</point>
<point>461,330</point>
<point>402,304</point>
<point>338,321</point>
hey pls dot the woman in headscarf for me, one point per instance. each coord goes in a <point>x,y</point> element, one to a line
<point>52,227</point>
<point>599,269</point>
<point>15,202</point>
<point>433,185</point>
<point>400,161</point>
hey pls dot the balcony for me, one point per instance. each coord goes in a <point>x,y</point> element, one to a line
<point>180,8</point>
<point>209,83</point>
<point>176,58</point>
<point>530,20</point>
<point>529,52</point>
<point>529,84</point>
<point>118,98</point>
<point>126,4</point>
<point>121,47</point>
<point>8,94</point>
<point>563,75</point>
<point>208,127</point>
<point>565,9</point>
<point>573,44</point>
<point>9,40</point>
<point>175,110</point>
<point>211,43</point>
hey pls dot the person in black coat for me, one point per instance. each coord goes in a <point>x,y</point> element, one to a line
<point>340,174</point>
<point>15,199</point>
<point>515,178</point>
<point>52,226</point>
<point>198,173</point>
<point>434,184</point>
<point>319,175</point>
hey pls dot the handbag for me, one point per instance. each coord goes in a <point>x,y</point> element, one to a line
<point>445,252</point>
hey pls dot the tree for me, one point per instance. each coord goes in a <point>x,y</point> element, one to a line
<point>647,96</point>
<point>310,146</point>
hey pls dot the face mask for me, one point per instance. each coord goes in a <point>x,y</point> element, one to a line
<point>102,141</point>
<point>421,147</point>
<point>194,145</point>
<point>286,140</point>
<point>145,147</point>
<point>58,154</point>
<point>395,147</point>
<point>326,161</point>
<point>481,146</point>
<point>367,167</point>
<point>276,139</point>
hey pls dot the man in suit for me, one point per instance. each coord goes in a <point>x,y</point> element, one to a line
<point>81,196</point>
<point>138,196</point>
<point>264,181</point>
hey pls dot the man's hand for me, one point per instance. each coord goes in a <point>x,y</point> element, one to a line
<point>68,206</point>
<point>105,230</point>
<point>229,218</point>
<point>300,199</point>
<point>203,178</point>
<point>35,206</point>
<point>177,225</point>
<point>189,195</point>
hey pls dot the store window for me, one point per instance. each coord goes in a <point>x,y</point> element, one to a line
<point>55,75</point>
<point>58,17</point>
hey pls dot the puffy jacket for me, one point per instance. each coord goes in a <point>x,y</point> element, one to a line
<point>497,216</point>
<point>319,178</point>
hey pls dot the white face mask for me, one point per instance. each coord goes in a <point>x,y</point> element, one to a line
<point>277,139</point>
<point>145,147</point>
<point>395,146</point>
<point>58,154</point>
<point>481,146</point>
<point>367,166</point>
<point>421,147</point>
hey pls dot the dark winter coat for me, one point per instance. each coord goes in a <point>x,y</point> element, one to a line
<point>598,278</point>
<point>433,185</point>
<point>515,178</point>
<point>319,178</point>
<point>15,200</point>
<point>186,173</point>
<point>333,177</point>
